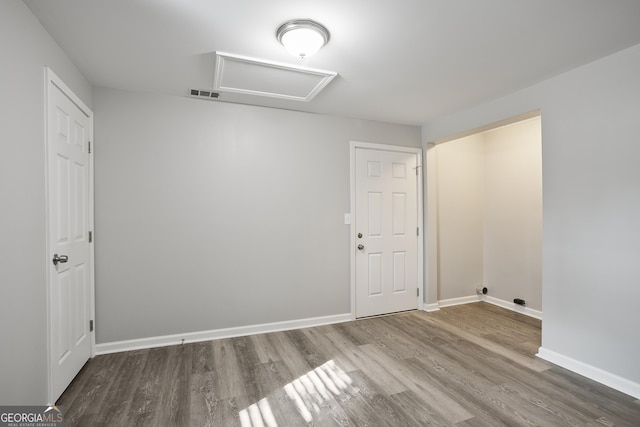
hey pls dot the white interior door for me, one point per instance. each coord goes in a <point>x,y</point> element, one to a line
<point>386,231</point>
<point>69,128</point>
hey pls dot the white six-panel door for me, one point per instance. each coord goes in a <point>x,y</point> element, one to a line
<point>385,227</point>
<point>68,131</point>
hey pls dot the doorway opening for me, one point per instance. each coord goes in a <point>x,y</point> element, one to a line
<point>484,213</point>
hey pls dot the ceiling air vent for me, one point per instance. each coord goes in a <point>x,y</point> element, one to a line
<point>203,94</point>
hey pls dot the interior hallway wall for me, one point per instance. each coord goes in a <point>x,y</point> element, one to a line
<point>213,215</point>
<point>26,49</point>
<point>512,237</point>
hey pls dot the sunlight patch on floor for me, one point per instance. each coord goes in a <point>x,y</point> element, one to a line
<point>309,393</point>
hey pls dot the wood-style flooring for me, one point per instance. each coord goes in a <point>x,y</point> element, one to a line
<point>468,365</point>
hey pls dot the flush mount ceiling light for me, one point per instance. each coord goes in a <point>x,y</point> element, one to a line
<point>302,37</point>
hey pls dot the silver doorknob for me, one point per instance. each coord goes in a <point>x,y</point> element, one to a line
<point>361,246</point>
<point>60,259</point>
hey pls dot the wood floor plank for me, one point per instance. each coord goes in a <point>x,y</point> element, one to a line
<point>318,394</point>
<point>304,346</point>
<point>343,346</point>
<point>361,357</point>
<point>227,412</point>
<point>202,357</point>
<point>146,400</point>
<point>325,348</point>
<point>382,406</point>
<point>530,405</point>
<point>116,403</point>
<point>91,389</point>
<point>346,330</point>
<point>471,394</point>
<point>249,368</point>
<point>470,365</point>
<point>175,397</point>
<point>276,402</point>
<point>420,412</point>
<point>203,398</point>
<point>287,352</point>
<point>363,407</point>
<point>391,339</point>
<point>84,380</point>
<point>492,369</point>
<point>410,378</point>
<point>496,387</point>
<point>589,397</point>
<point>527,362</point>
<point>229,380</point>
<point>265,351</point>
<point>74,389</point>
<point>413,324</point>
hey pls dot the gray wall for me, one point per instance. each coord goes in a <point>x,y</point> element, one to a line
<point>212,215</point>
<point>26,48</point>
<point>460,201</point>
<point>591,206</point>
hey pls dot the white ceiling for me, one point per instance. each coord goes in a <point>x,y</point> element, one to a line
<point>401,61</point>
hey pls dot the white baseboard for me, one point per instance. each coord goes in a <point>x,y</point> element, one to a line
<point>477,298</point>
<point>513,307</point>
<point>214,334</point>
<point>458,301</point>
<point>431,307</point>
<point>607,378</point>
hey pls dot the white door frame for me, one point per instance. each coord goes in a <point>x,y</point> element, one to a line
<point>352,162</point>
<point>51,79</point>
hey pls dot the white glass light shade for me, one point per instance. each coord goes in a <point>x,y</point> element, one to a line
<point>302,38</point>
<point>302,42</point>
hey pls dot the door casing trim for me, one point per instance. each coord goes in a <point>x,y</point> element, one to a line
<point>353,146</point>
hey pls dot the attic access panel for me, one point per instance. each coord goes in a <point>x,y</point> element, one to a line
<point>242,74</point>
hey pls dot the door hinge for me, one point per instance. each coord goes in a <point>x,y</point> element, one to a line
<point>89,145</point>
<point>417,292</point>
<point>90,325</point>
<point>90,236</point>
<point>417,231</point>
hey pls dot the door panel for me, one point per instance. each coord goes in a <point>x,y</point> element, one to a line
<point>386,213</point>
<point>69,129</point>
<point>399,271</point>
<point>375,274</point>
<point>399,214</point>
<point>375,214</point>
